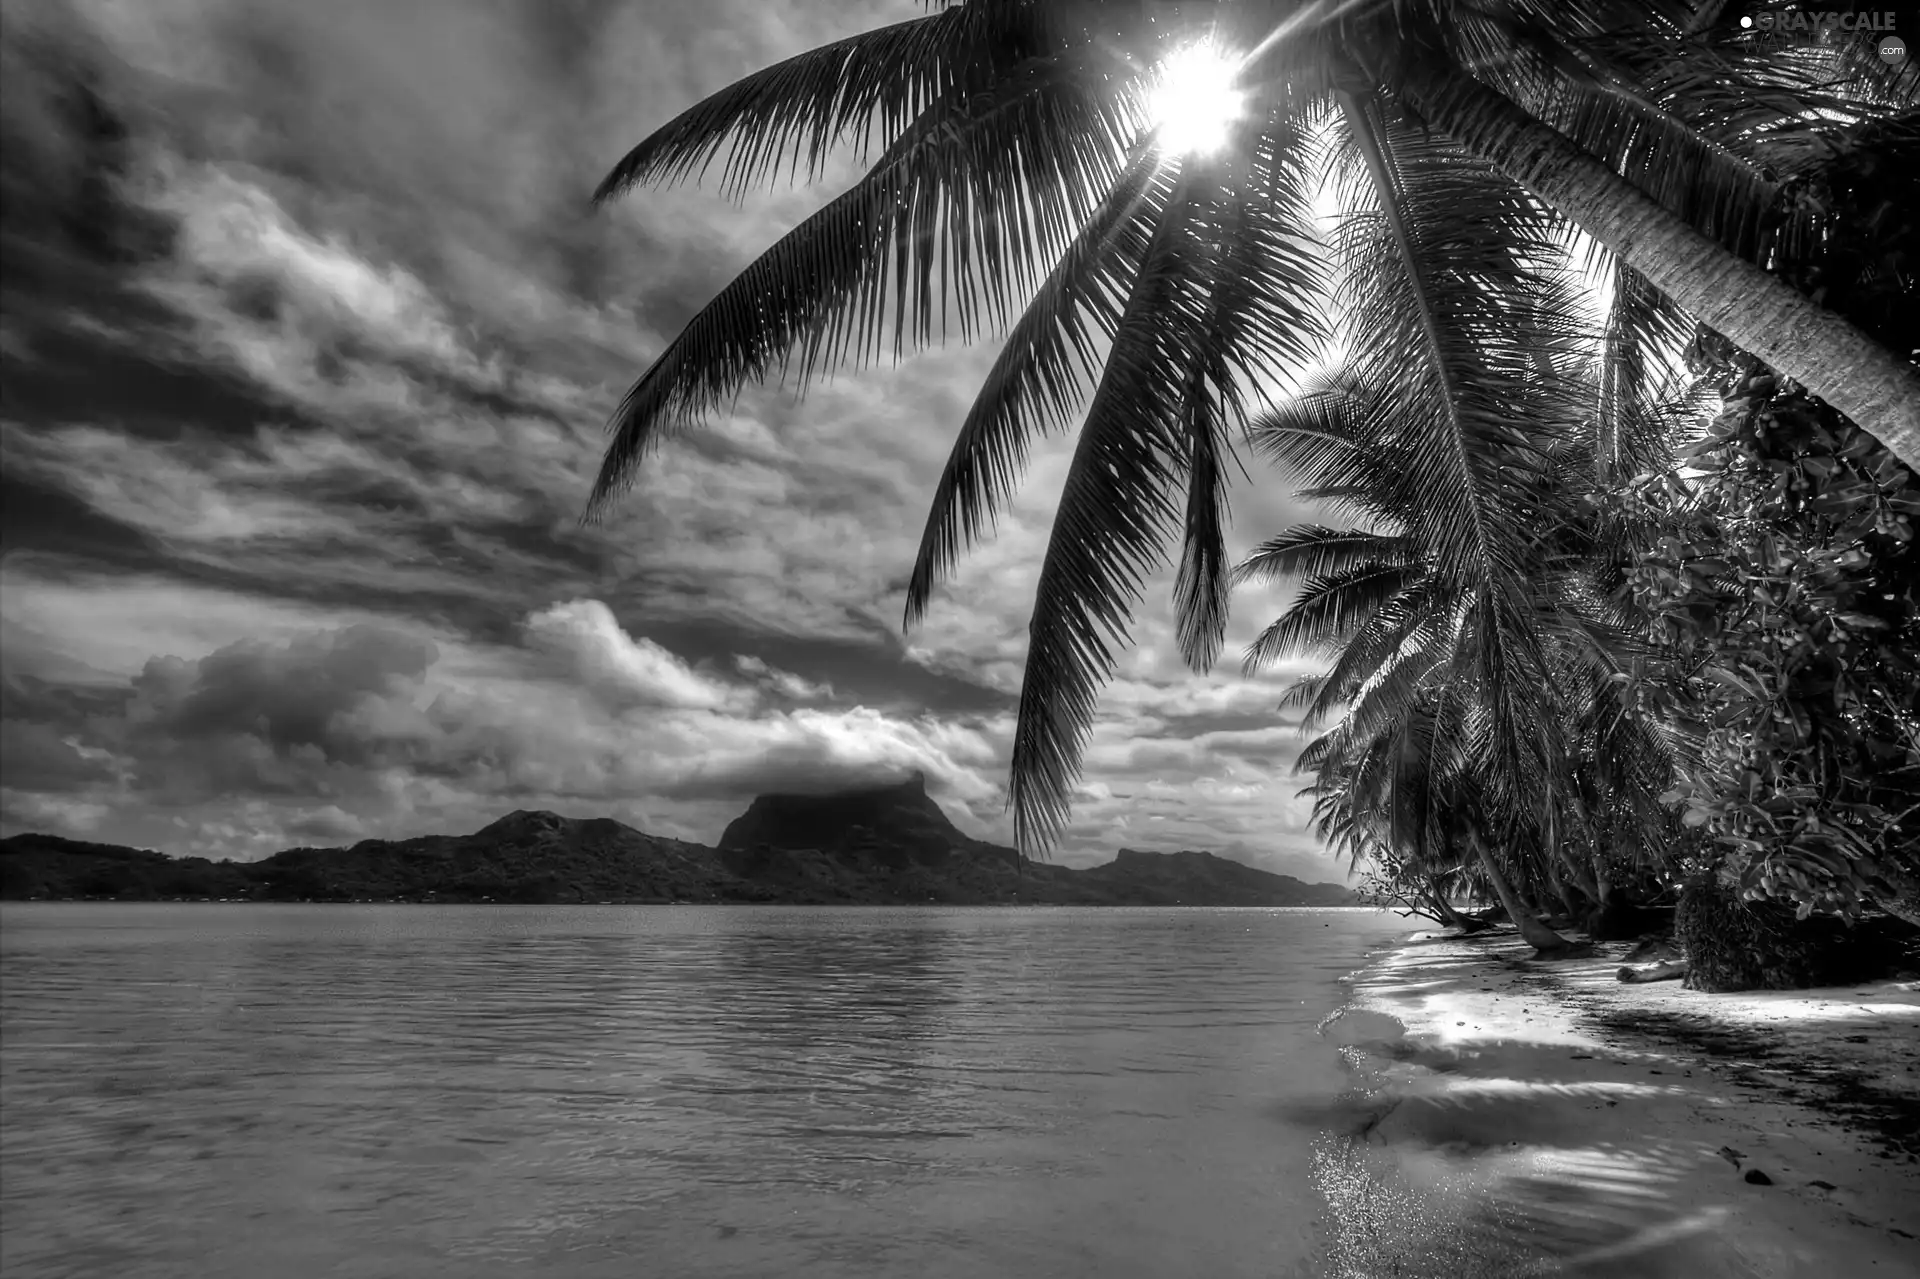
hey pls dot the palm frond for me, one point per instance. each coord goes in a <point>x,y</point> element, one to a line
<point>1041,373</point>
<point>1643,331</point>
<point>1109,532</point>
<point>1442,272</point>
<point>954,195</point>
<point>1328,610</point>
<point>1412,634</point>
<point>1201,589</point>
<point>800,109</point>
<point>1314,550</point>
<point>1258,276</point>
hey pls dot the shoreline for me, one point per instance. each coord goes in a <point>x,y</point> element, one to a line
<point>1521,1117</point>
<point>808,905</point>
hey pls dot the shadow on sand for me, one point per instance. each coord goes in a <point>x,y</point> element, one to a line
<point>1495,1159</point>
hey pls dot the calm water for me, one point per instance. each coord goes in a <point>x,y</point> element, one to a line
<point>227,1090</point>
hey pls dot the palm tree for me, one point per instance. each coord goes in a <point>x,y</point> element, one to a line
<point>1469,610</point>
<point>1386,833</point>
<point>1576,173</point>
<point>1016,156</point>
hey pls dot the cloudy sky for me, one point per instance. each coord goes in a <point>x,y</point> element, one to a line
<point>309,334</point>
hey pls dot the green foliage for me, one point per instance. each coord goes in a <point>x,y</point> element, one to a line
<point>1757,600</point>
<point>1788,596</point>
<point>1846,232</point>
<point>1736,944</point>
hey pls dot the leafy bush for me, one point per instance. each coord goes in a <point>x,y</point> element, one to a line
<point>1733,944</point>
<point>1789,599</point>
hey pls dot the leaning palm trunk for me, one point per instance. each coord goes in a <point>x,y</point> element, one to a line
<point>1532,931</point>
<point>1755,310</point>
<point>1448,915</point>
<point>1569,898</point>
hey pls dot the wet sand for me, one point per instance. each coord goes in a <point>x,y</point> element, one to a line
<point>1515,1117</point>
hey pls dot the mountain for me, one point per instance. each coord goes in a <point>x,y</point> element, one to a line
<point>1191,878</point>
<point>879,845</point>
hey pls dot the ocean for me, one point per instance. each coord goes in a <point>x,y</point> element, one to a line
<point>227,1090</point>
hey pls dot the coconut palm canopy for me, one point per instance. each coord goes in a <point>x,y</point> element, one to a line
<point>1123,193</point>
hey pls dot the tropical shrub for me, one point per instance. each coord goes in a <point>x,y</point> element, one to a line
<point>1736,944</point>
<point>1789,593</point>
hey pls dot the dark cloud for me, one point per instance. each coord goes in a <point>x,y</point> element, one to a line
<point>33,517</point>
<point>40,758</point>
<point>65,143</point>
<point>300,695</point>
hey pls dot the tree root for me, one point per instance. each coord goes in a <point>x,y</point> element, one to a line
<point>1665,971</point>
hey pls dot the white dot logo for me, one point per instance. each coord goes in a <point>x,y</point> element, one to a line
<point>1746,20</point>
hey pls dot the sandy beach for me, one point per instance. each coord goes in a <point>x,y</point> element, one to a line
<point>1515,1117</point>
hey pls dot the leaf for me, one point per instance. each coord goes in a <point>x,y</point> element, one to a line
<point>1721,675</point>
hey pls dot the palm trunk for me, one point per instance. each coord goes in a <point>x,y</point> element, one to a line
<point>1448,915</point>
<point>1601,920</point>
<point>1572,877</point>
<point>1580,874</point>
<point>1532,931</point>
<point>1569,899</point>
<point>1758,312</point>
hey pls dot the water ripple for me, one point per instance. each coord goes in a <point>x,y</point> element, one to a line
<point>365,1091</point>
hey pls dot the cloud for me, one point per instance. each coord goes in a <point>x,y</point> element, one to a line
<point>585,640</point>
<point>304,694</point>
<point>784,683</point>
<point>376,729</point>
<point>299,293</point>
<point>41,758</point>
<point>71,623</point>
<point>808,751</point>
<point>41,812</point>
<point>330,824</point>
<point>371,729</point>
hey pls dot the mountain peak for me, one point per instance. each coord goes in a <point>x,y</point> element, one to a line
<point>900,811</point>
<point>526,821</point>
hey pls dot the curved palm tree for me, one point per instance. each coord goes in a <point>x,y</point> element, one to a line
<point>1466,613</point>
<point>1014,157</point>
<point>1381,822</point>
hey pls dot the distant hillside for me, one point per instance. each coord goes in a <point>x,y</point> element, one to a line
<point>885,845</point>
<point>1181,878</point>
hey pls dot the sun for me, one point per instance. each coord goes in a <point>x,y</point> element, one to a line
<point>1193,102</point>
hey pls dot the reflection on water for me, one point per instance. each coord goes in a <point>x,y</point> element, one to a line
<point>372,1091</point>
